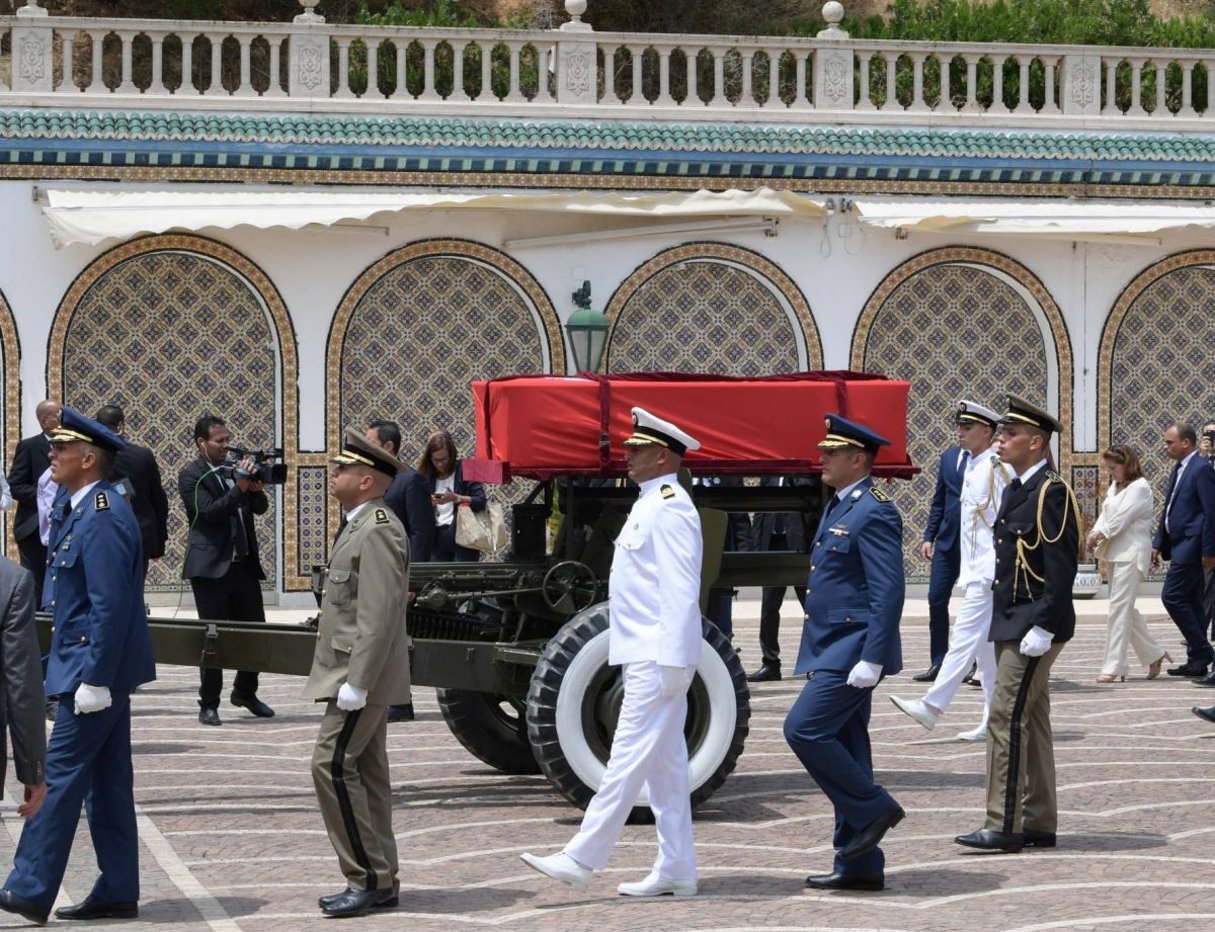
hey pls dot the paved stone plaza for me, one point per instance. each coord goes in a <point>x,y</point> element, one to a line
<point>232,838</point>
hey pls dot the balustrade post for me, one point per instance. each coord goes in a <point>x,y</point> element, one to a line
<point>308,55</point>
<point>833,63</point>
<point>33,59</point>
<point>1081,90</point>
<point>577,62</point>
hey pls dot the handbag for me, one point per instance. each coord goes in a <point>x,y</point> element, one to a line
<point>485,531</point>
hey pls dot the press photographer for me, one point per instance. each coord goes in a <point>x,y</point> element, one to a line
<point>221,499</point>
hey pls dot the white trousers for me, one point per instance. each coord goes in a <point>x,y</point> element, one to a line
<point>967,643</point>
<point>648,750</point>
<point>1127,621</point>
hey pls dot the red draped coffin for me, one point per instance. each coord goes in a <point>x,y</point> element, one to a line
<point>547,425</point>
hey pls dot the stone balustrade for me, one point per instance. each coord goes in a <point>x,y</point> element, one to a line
<point>575,72</point>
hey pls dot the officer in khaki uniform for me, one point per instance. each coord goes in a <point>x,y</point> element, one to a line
<point>361,666</point>
<point>1037,535</point>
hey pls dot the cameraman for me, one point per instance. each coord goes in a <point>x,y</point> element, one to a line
<point>221,553</point>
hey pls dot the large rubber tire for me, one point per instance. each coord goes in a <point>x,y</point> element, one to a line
<point>574,700</point>
<point>492,728</point>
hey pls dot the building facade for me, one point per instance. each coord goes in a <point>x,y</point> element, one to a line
<point>153,256</point>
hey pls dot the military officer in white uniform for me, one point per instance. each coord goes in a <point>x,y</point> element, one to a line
<point>359,668</point>
<point>655,633</point>
<point>983,483</point>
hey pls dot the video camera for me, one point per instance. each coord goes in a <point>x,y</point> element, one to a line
<point>263,470</point>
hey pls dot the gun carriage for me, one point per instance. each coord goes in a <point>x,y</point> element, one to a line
<point>517,650</point>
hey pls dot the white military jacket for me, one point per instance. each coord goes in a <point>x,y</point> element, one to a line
<point>982,488</point>
<point>654,585</point>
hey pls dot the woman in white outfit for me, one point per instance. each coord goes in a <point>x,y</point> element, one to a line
<point>1122,537</point>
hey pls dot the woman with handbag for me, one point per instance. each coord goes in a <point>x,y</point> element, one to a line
<point>1122,537</point>
<point>449,491</point>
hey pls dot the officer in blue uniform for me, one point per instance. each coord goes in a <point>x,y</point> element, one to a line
<point>854,600</point>
<point>100,652</point>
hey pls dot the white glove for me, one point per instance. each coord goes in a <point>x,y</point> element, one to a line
<point>1036,642</point>
<point>865,674</point>
<point>92,698</point>
<point>351,698</point>
<point>674,680</point>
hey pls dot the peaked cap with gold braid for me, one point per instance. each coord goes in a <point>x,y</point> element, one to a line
<point>648,429</point>
<point>1021,411</point>
<point>842,432</point>
<point>74,426</point>
<point>357,450</point>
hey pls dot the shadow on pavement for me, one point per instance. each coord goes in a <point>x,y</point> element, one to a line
<point>178,910</point>
<point>1112,841</point>
<point>938,882</point>
<point>455,901</point>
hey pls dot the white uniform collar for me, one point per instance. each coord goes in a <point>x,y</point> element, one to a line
<point>843,493</point>
<point>356,509</point>
<point>81,493</point>
<point>651,484</point>
<point>1028,474</point>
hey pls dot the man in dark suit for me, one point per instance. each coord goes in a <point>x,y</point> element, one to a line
<point>221,553</point>
<point>941,548</point>
<point>100,652</point>
<point>31,460</point>
<point>854,600</point>
<point>22,697</point>
<point>783,530</point>
<point>1186,539</point>
<point>138,466</point>
<point>1037,540</point>
<point>409,498</point>
<point>409,494</point>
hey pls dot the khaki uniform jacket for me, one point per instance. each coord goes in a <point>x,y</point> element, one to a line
<point>361,639</point>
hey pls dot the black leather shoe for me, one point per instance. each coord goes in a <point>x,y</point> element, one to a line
<point>1208,680</point>
<point>928,675</point>
<point>1208,714</point>
<point>357,902</point>
<point>11,903</point>
<point>1034,839</point>
<point>391,903</point>
<point>986,840</point>
<point>838,881</point>
<point>764,674</point>
<point>253,704</point>
<point>870,836</point>
<point>1190,668</point>
<point>401,713</point>
<point>209,715</point>
<point>92,908</point>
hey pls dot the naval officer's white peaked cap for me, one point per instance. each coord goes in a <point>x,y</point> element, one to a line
<point>650,429</point>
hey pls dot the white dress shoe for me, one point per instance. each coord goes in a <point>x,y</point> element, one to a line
<point>653,885</point>
<point>918,710</point>
<point>561,866</point>
<point>975,734</point>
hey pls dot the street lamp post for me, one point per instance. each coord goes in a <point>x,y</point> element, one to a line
<point>588,331</point>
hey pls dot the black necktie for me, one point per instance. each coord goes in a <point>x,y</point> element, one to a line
<point>832,504</point>
<point>1014,485</point>
<point>962,463</point>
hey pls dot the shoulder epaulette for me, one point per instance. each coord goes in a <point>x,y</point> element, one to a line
<point>381,516</point>
<point>668,492</point>
<point>101,502</point>
<point>879,494</point>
